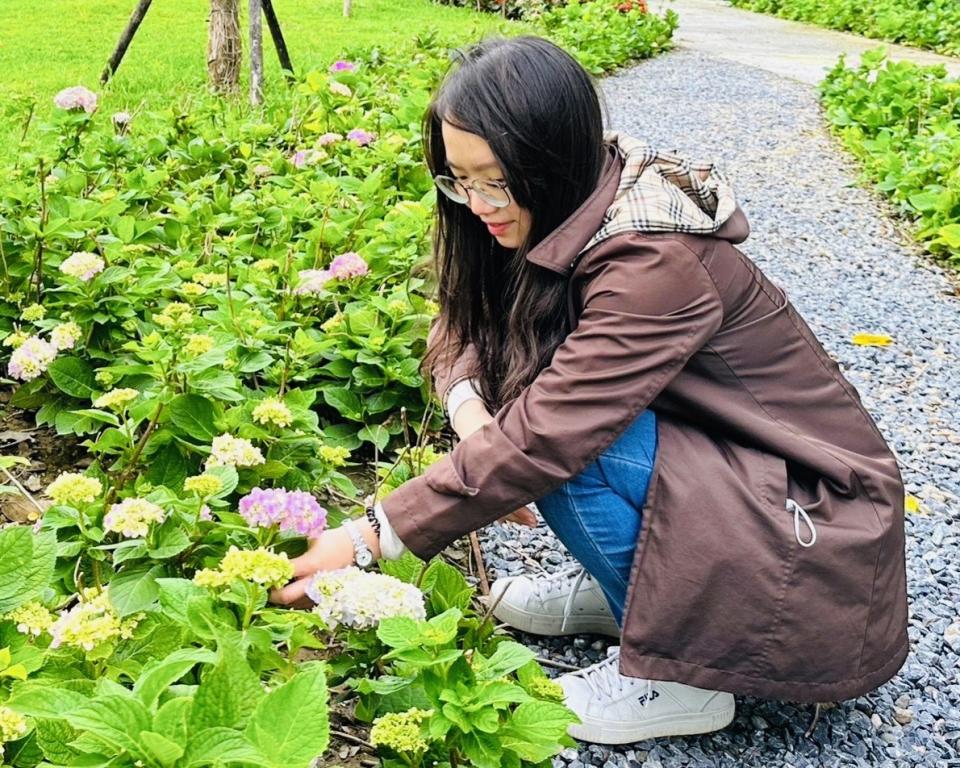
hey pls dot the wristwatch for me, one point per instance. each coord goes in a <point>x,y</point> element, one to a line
<point>361,552</point>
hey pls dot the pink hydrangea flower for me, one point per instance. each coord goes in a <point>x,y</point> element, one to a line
<point>329,138</point>
<point>77,97</point>
<point>31,359</point>
<point>361,137</point>
<point>296,511</point>
<point>348,265</point>
<point>340,65</point>
<point>306,157</point>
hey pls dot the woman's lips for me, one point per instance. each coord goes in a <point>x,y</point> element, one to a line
<point>498,229</point>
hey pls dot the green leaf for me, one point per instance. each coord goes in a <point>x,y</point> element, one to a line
<point>535,729</point>
<point>173,719</point>
<point>168,467</point>
<point>194,416</point>
<point>219,746</point>
<point>228,692</point>
<point>27,560</point>
<point>172,541</point>
<point>507,657</point>
<point>53,736</point>
<point>290,724</point>
<point>950,234</point>
<point>406,568</point>
<point>399,632</point>
<point>376,434</point>
<point>345,401</point>
<point>73,376</point>
<point>174,594</point>
<point>160,748</point>
<point>447,587</point>
<point>158,674</point>
<point>135,589</point>
<point>37,698</point>
<point>117,720</point>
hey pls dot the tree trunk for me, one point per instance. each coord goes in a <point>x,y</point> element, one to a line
<point>223,46</point>
<point>131,29</point>
<point>256,53</point>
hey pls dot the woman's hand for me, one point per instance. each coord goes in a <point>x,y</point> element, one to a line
<point>523,516</point>
<point>332,549</point>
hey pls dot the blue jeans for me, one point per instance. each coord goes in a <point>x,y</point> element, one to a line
<point>597,514</point>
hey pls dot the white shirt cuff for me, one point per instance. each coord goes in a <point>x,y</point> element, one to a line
<point>458,394</point>
<point>391,548</point>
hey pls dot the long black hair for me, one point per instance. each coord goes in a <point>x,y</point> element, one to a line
<point>539,111</point>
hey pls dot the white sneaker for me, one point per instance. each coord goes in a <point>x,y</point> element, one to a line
<point>615,709</point>
<point>565,603</point>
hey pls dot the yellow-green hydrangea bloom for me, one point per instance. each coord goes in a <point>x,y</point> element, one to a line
<point>31,618</point>
<point>13,725</point>
<point>210,279</point>
<point>257,565</point>
<point>74,489</point>
<point>116,399</point>
<point>192,290</point>
<point>65,335</point>
<point>272,411</point>
<point>545,688</point>
<point>16,339</point>
<point>400,731</point>
<point>33,313</point>
<point>198,344</point>
<point>334,455</point>
<point>203,485</point>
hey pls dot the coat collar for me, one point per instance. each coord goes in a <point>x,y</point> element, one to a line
<point>558,250</point>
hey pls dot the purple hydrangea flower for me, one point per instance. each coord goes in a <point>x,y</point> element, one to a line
<point>340,65</point>
<point>361,137</point>
<point>296,511</point>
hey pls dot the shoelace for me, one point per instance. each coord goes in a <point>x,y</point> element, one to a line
<point>799,513</point>
<point>604,679</point>
<point>559,580</point>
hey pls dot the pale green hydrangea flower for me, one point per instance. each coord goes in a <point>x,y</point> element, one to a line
<point>400,731</point>
<point>74,489</point>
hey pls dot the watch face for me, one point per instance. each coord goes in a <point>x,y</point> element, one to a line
<point>364,558</point>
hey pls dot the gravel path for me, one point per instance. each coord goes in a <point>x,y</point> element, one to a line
<point>833,247</point>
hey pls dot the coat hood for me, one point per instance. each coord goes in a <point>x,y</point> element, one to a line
<point>661,191</point>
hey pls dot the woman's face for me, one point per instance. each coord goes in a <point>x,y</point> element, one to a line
<point>469,158</point>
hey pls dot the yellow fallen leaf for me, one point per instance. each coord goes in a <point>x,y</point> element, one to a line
<point>912,506</point>
<point>872,339</point>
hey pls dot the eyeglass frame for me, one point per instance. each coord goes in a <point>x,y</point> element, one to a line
<point>472,187</point>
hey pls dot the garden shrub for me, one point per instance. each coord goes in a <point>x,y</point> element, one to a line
<point>933,24</point>
<point>903,122</point>
<point>227,308</point>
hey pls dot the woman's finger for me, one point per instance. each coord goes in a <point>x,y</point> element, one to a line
<point>293,594</point>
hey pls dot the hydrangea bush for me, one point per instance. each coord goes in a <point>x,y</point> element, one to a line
<point>228,313</point>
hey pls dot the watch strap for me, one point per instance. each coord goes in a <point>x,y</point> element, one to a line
<point>361,552</point>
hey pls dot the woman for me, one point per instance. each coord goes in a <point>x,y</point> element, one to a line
<point>606,351</point>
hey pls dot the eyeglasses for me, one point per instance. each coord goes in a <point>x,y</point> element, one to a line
<point>491,192</point>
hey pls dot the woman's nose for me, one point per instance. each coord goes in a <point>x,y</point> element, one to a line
<point>478,206</point>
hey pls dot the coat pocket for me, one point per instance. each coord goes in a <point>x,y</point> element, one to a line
<point>443,477</point>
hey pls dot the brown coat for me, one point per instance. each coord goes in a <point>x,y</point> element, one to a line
<point>751,412</point>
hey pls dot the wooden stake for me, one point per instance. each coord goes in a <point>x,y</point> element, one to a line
<point>278,42</point>
<point>139,12</point>
<point>256,53</point>
<point>347,7</point>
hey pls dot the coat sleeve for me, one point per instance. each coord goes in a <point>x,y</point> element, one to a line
<point>649,305</point>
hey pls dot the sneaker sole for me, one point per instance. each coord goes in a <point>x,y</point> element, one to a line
<point>538,624</point>
<point>600,732</point>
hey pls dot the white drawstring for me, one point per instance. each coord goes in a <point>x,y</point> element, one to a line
<point>799,513</point>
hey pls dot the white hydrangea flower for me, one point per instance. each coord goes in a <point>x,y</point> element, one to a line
<point>227,450</point>
<point>82,265</point>
<point>361,599</point>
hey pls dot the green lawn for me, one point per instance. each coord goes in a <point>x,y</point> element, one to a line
<point>51,44</point>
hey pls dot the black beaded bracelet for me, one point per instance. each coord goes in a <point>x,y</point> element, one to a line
<point>374,521</point>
